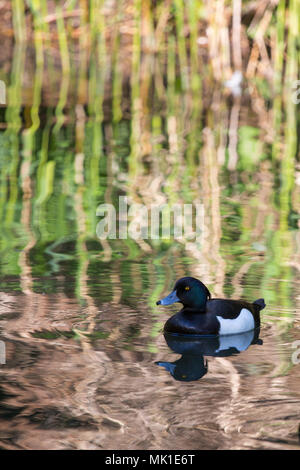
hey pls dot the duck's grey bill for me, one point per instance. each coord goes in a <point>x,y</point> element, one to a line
<point>168,366</point>
<point>170,299</point>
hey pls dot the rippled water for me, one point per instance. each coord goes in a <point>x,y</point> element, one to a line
<point>87,375</point>
<point>84,361</point>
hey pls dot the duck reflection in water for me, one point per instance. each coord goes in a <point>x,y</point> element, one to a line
<point>192,365</point>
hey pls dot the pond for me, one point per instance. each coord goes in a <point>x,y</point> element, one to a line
<point>84,361</point>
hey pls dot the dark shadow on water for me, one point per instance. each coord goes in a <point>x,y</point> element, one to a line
<point>193,365</point>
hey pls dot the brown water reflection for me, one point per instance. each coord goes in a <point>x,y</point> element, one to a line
<point>64,389</point>
<point>130,99</point>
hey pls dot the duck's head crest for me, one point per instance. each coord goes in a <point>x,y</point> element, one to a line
<point>190,292</point>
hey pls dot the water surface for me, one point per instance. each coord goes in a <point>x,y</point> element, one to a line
<point>85,364</point>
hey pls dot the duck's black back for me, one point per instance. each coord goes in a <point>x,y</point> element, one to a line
<point>230,309</point>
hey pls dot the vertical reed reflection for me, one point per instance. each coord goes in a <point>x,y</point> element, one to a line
<point>131,98</point>
<point>139,109</point>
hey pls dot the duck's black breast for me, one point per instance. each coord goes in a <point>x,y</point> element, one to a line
<point>187,322</point>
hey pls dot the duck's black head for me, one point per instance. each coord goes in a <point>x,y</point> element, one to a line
<point>191,292</point>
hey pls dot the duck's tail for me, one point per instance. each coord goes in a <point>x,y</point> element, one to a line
<point>260,303</point>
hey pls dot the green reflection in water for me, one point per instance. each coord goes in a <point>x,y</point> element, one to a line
<point>156,139</point>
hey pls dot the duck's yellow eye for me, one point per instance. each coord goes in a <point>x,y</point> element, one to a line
<point>187,288</point>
